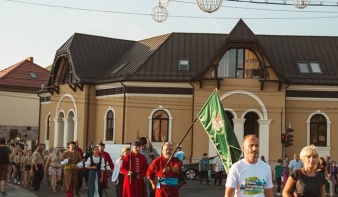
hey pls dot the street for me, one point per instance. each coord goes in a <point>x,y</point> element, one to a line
<point>192,189</point>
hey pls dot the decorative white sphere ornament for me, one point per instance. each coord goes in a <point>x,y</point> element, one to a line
<point>209,6</point>
<point>159,13</point>
<point>300,4</point>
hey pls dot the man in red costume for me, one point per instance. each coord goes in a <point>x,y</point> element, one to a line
<point>164,180</point>
<point>134,167</point>
<point>107,159</point>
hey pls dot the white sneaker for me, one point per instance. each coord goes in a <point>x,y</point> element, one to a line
<point>18,183</point>
<point>279,194</point>
<point>15,181</point>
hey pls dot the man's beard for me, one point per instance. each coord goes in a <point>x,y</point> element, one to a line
<point>253,155</point>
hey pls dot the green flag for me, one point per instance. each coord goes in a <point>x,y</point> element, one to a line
<point>218,127</point>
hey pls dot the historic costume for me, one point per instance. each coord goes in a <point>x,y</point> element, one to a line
<point>94,175</point>
<point>117,176</point>
<point>107,159</point>
<point>80,170</point>
<point>70,173</point>
<point>168,183</point>
<point>134,185</point>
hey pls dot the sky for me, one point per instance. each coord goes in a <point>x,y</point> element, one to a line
<point>37,28</point>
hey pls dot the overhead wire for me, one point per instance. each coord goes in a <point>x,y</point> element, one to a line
<point>185,16</point>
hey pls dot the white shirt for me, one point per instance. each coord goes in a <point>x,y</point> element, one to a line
<point>249,179</point>
<point>96,160</point>
<point>116,172</point>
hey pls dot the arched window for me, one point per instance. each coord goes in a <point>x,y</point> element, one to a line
<point>110,126</point>
<point>47,127</point>
<point>251,125</point>
<point>160,126</point>
<point>318,130</point>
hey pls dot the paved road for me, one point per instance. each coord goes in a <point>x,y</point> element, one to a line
<point>192,189</point>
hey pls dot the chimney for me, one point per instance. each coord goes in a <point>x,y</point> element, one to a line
<point>31,59</point>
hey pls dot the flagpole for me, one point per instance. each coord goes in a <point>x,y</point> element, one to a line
<point>171,156</point>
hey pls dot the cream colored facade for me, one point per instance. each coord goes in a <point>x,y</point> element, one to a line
<point>69,112</point>
<point>19,116</point>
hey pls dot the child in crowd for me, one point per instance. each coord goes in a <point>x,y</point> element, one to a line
<point>278,175</point>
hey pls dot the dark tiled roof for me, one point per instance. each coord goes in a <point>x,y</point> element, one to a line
<point>92,56</point>
<point>101,60</point>
<point>285,51</point>
<point>18,75</point>
<point>156,59</point>
<point>129,64</point>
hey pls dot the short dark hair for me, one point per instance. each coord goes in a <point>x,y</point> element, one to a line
<point>143,140</point>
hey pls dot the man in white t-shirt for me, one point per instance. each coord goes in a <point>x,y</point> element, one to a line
<point>249,176</point>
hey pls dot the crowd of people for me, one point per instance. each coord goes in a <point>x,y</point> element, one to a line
<point>140,171</point>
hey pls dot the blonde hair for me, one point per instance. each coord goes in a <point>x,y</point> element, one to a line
<point>308,150</point>
<point>125,149</point>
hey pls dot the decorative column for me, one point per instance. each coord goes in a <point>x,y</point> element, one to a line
<point>239,129</point>
<point>75,120</point>
<point>66,132</point>
<point>57,122</point>
<point>264,137</point>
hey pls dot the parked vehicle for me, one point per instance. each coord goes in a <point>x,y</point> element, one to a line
<point>191,170</point>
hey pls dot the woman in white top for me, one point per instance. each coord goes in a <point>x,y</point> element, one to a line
<point>117,177</point>
<point>95,165</point>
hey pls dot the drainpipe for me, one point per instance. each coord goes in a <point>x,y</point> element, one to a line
<point>39,118</point>
<point>87,114</point>
<point>124,111</point>
<point>192,119</point>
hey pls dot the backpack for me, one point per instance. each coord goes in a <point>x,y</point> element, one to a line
<point>4,152</point>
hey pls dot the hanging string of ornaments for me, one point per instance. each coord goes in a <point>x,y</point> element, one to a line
<point>160,12</point>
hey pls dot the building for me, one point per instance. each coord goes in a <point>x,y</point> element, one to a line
<point>20,103</point>
<point>105,89</point>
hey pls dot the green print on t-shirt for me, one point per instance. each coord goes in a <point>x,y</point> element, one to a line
<point>253,185</point>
